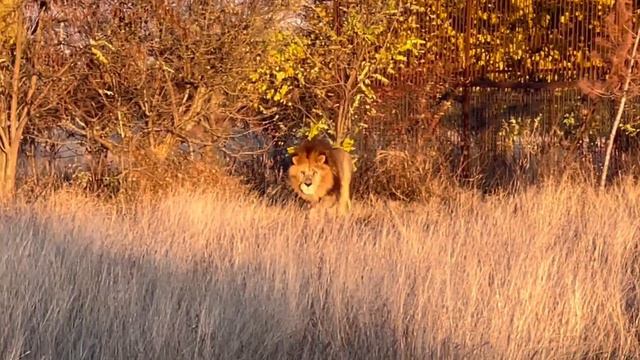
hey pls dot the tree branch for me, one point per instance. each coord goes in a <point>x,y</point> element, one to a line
<point>109,145</point>
<point>15,91</point>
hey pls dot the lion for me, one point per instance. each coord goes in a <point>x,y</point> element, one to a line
<point>321,175</point>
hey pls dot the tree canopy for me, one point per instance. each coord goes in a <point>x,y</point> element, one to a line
<point>324,71</point>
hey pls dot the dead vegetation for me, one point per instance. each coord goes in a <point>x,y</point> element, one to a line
<point>551,272</point>
<point>144,245</point>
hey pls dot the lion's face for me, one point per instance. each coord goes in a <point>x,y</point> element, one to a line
<point>310,174</point>
<point>321,175</point>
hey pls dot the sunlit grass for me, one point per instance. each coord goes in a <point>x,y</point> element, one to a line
<point>549,273</point>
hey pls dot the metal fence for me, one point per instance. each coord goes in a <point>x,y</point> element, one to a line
<point>514,68</point>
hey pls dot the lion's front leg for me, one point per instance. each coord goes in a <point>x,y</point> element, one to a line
<point>340,203</point>
<point>319,208</point>
<point>316,212</point>
<point>344,206</point>
<point>344,203</point>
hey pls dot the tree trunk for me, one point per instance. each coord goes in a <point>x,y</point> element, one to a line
<point>11,130</point>
<point>8,171</point>
<point>343,123</point>
<point>3,166</point>
<point>616,123</point>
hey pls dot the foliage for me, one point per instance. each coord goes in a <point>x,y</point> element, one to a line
<point>305,77</point>
<point>142,77</point>
<point>7,21</point>
<point>522,38</point>
<point>147,76</point>
<point>514,132</point>
<point>330,67</point>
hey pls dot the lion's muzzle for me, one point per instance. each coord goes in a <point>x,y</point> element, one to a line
<point>307,188</point>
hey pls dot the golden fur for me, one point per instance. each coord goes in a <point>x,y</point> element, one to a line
<point>321,175</point>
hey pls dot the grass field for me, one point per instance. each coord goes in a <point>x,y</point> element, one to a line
<point>548,273</point>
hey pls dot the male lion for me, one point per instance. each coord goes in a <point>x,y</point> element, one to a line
<point>321,175</point>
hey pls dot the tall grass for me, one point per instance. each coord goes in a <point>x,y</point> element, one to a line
<point>551,272</point>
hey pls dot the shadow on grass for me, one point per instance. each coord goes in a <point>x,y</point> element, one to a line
<point>67,294</point>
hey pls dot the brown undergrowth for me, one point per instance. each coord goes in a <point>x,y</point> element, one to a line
<point>550,272</point>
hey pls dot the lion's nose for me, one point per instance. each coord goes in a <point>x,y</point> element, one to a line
<point>307,182</point>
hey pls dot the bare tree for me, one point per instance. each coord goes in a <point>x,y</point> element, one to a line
<point>616,122</point>
<point>619,45</point>
<point>135,81</point>
<point>15,115</point>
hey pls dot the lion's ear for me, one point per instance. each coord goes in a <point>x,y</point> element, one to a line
<point>321,159</point>
<point>295,159</point>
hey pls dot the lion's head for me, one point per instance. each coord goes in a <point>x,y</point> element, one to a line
<point>311,175</point>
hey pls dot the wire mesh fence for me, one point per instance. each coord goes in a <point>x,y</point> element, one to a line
<point>515,71</point>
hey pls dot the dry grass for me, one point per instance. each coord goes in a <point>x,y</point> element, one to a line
<point>549,273</point>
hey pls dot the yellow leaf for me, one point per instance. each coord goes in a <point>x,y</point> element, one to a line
<point>348,144</point>
<point>364,72</point>
<point>316,129</point>
<point>383,79</point>
<point>399,57</point>
<point>367,91</point>
<point>99,56</point>
<point>101,42</point>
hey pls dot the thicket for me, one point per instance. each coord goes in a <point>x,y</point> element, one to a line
<point>127,95</point>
